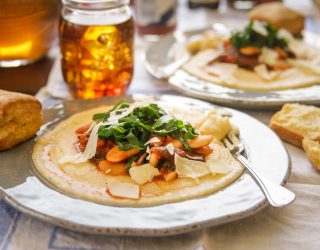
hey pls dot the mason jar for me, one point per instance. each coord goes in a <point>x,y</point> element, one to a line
<point>96,43</point>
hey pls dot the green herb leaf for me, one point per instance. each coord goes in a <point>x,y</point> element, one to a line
<point>129,163</point>
<point>135,129</point>
<point>249,37</point>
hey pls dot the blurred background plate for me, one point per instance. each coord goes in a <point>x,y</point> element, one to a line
<point>171,48</point>
<point>23,189</point>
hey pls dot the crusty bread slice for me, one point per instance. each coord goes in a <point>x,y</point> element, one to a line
<point>312,149</point>
<point>20,118</point>
<point>294,122</point>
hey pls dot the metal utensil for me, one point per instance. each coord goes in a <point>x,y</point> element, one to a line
<point>277,195</point>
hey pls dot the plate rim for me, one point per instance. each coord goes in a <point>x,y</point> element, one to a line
<point>230,101</point>
<point>185,228</point>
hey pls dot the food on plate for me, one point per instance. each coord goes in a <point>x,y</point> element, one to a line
<point>312,149</point>
<point>294,122</point>
<point>257,58</point>
<point>279,16</point>
<point>20,118</point>
<point>138,154</point>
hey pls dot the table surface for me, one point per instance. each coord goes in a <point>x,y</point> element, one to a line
<point>295,227</point>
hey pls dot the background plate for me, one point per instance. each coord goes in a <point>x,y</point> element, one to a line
<point>171,48</point>
<point>21,187</point>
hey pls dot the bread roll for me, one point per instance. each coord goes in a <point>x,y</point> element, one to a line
<point>312,149</point>
<point>280,16</point>
<point>294,122</point>
<point>20,118</point>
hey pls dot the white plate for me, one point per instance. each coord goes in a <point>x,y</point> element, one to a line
<point>172,48</point>
<point>23,189</point>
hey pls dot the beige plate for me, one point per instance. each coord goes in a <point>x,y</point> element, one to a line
<point>171,48</point>
<point>23,189</point>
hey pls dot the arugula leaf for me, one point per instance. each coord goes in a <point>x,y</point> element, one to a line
<point>129,163</point>
<point>104,116</point>
<point>135,129</point>
<point>249,37</point>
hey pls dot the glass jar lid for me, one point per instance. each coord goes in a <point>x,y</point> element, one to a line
<point>94,4</point>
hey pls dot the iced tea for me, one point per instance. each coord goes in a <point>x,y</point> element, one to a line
<point>27,30</point>
<point>97,60</point>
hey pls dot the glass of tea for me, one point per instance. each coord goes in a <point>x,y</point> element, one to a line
<point>27,30</point>
<point>96,43</point>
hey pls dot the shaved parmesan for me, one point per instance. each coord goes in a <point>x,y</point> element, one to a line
<point>148,153</point>
<point>259,28</point>
<point>283,33</point>
<point>189,168</point>
<point>263,72</point>
<point>215,125</point>
<point>123,189</point>
<point>221,160</point>
<point>268,56</point>
<point>143,174</point>
<point>170,148</point>
<point>91,146</point>
<point>312,67</point>
<point>69,158</point>
<point>152,140</point>
<point>89,151</point>
<point>114,117</point>
<point>222,69</point>
<point>90,128</point>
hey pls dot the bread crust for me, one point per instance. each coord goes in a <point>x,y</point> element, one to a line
<point>294,122</point>
<point>312,149</point>
<point>20,118</point>
<point>287,135</point>
<point>279,16</point>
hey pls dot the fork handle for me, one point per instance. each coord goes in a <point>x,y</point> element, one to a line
<point>276,194</point>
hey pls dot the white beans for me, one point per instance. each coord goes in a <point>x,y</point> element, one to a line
<point>200,141</point>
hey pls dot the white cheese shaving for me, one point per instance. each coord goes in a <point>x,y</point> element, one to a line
<point>189,168</point>
<point>143,174</point>
<point>90,128</point>
<point>91,146</point>
<point>259,28</point>
<point>170,148</point>
<point>69,158</point>
<point>124,189</point>
<point>312,67</point>
<point>221,160</point>
<point>148,153</point>
<point>268,56</point>
<point>222,69</point>
<point>114,117</point>
<point>215,125</point>
<point>283,33</point>
<point>152,140</point>
<point>264,73</point>
<point>89,151</point>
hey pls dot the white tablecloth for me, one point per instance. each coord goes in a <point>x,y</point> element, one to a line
<point>296,226</point>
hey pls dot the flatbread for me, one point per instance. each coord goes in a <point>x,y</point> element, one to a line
<point>291,78</point>
<point>85,181</point>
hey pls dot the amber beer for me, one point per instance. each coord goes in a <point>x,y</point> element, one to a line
<point>27,30</point>
<point>97,54</point>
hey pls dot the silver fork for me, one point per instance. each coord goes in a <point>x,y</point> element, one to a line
<point>277,195</point>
